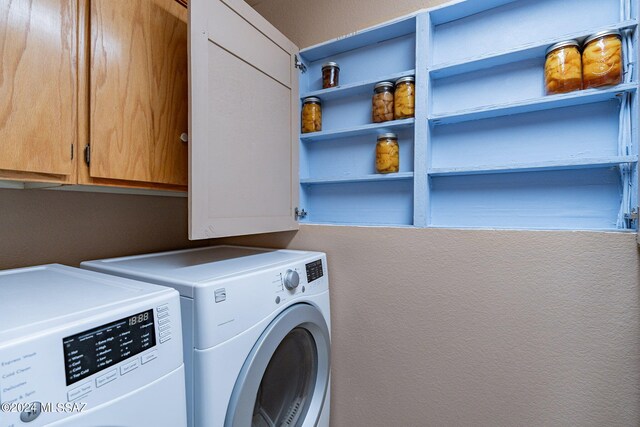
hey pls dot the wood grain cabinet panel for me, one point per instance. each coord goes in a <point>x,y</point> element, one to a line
<point>38,89</point>
<point>138,91</point>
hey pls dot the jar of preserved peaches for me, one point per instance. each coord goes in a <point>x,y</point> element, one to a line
<point>382,102</point>
<point>404,98</point>
<point>563,68</point>
<point>602,59</point>
<point>330,75</point>
<point>387,153</point>
<point>311,115</point>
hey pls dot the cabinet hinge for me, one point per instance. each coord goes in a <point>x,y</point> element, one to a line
<point>300,65</point>
<point>300,213</point>
<point>631,217</point>
<point>87,155</point>
<point>71,151</point>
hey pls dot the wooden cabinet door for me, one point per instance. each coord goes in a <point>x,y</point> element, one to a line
<point>138,91</point>
<point>38,89</point>
<point>244,122</point>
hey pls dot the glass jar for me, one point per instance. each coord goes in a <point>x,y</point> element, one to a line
<point>404,98</point>
<point>602,59</point>
<point>311,115</point>
<point>382,102</point>
<point>387,153</point>
<point>563,68</point>
<point>330,75</point>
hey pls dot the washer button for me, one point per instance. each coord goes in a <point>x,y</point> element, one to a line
<point>164,320</point>
<point>128,367</point>
<point>163,308</point>
<point>165,339</point>
<point>78,392</point>
<point>163,315</point>
<point>146,358</point>
<point>106,378</point>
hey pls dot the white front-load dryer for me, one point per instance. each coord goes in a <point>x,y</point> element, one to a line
<point>84,349</point>
<point>256,328</point>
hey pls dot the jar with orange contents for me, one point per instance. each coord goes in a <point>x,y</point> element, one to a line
<point>563,68</point>
<point>602,59</point>
<point>387,153</point>
<point>311,115</point>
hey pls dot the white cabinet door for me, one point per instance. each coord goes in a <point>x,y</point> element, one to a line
<point>243,154</point>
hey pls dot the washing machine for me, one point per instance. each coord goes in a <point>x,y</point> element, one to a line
<point>256,331</point>
<point>83,349</point>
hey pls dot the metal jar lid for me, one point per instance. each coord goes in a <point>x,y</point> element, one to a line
<point>387,136</point>
<point>330,64</point>
<point>405,79</point>
<point>380,85</point>
<point>311,99</point>
<point>561,45</point>
<point>601,34</point>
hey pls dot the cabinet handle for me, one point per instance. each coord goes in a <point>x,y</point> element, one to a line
<point>184,137</point>
<point>184,3</point>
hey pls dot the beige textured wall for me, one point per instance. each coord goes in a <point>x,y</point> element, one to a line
<point>309,22</point>
<point>43,226</point>
<point>479,328</point>
<point>469,328</point>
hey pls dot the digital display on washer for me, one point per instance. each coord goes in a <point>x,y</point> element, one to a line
<point>96,349</point>
<point>314,270</point>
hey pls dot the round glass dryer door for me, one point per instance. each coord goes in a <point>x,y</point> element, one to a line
<point>284,380</point>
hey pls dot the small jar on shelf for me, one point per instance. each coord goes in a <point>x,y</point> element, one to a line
<point>563,68</point>
<point>602,59</point>
<point>387,153</point>
<point>404,98</point>
<point>311,115</point>
<point>330,75</point>
<point>382,102</point>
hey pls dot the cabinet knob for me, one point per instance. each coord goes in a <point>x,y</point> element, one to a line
<point>184,137</point>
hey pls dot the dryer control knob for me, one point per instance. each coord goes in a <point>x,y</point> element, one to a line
<point>291,279</point>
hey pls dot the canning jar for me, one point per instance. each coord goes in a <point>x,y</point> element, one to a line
<point>330,75</point>
<point>387,153</point>
<point>404,98</point>
<point>563,68</point>
<point>311,115</point>
<point>382,102</point>
<point>602,59</point>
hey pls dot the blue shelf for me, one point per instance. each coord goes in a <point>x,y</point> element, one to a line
<point>368,129</point>
<point>364,178</point>
<point>570,164</point>
<point>354,89</point>
<point>550,102</point>
<point>520,53</point>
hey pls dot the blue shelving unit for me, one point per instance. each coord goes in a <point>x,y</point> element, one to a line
<point>487,147</point>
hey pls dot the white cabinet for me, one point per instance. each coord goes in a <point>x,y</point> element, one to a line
<point>243,171</point>
<point>486,149</point>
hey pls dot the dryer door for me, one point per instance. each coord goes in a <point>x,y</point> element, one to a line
<point>285,377</point>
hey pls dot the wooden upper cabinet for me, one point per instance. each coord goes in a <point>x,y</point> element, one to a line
<point>137,93</point>
<point>38,90</point>
<point>244,123</point>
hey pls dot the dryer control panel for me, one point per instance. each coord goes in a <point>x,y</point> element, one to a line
<point>314,270</point>
<point>233,305</point>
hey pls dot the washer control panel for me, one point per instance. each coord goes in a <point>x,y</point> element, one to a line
<point>47,377</point>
